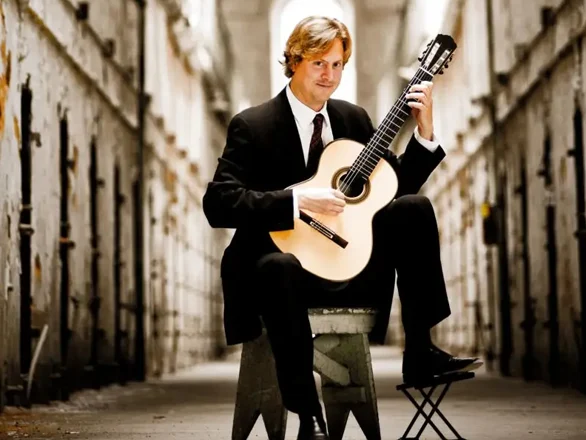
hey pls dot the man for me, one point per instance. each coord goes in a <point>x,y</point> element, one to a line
<point>272,146</point>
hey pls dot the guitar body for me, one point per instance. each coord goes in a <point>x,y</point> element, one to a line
<point>345,255</point>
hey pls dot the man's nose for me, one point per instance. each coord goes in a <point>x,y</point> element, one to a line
<point>328,73</point>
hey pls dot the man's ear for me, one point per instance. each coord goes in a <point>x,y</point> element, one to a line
<point>295,64</point>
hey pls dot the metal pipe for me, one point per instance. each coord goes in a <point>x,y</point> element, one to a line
<point>577,153</point>
<point>119,358</point>
<point>31,373</point>
<point>26,229</point>
<point>140,361</point>
<point>95,275</point>
<point>64,240</point>
<point>528,324</point>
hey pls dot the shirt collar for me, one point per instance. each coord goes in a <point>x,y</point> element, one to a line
<point>302,113</point>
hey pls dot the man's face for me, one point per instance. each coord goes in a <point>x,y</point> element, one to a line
<point>317,78</point>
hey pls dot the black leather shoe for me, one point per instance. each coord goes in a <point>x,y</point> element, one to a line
<point>420,367</point>
<point>312,427</point>
<point>444,363</point>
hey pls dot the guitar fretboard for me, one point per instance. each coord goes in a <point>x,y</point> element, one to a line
<point>380,142</point>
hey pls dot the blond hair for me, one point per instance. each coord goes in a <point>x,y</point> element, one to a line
<point>312,36</point>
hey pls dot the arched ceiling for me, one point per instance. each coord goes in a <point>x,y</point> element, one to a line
<point>378,29</point>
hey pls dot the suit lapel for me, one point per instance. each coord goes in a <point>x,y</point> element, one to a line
<point>288,135</point>
<point>339,129</point>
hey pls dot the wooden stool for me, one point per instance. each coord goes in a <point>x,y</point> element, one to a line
<point>341,358</point>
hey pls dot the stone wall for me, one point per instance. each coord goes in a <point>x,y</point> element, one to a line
<point>69,142</point>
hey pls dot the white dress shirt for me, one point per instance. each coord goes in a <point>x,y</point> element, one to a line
<point>304,116</point>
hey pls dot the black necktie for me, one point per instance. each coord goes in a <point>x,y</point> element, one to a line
<point>316,145</point>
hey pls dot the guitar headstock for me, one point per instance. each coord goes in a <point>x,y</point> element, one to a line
<point>438,53</point>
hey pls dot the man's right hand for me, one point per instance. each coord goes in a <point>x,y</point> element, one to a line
<point>326,201</point>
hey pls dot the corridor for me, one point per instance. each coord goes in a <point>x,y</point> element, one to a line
<point>114,116</point>
<point>198,404</point>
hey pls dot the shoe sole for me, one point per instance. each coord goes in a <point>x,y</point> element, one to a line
<point>470,367</point>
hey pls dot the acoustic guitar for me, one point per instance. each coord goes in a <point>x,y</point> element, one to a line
<point>338,248</point>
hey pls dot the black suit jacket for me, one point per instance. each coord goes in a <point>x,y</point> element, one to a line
<point>263,156</point>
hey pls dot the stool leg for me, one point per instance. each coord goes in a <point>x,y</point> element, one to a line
<point>258,393</point>
<point>420,411</point>
<point>436,410</point>
<point>274,414</point>
<point>428,416</point>
<point>249,392</point>
<point>336,415</point>
<point>360,397</point>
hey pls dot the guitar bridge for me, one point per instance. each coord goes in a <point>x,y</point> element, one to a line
<point>323,229</point>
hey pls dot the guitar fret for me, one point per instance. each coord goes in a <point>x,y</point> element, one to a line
<point>398,126</point>
<point>387,136</point>
<point>365,173</point>
<point>367,160</point>
<point>370,161</point>
<point>380,149</point>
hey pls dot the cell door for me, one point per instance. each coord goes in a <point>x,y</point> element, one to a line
<point>578,154</point>
<point>552,323</point>
<point>528,324</point>
<point>26,230</point>
<point>64,239</point>
<point>504,307</point>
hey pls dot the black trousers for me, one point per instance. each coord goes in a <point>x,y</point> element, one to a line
<point>405,239</point>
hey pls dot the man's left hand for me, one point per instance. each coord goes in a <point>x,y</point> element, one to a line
<point>422,107</point>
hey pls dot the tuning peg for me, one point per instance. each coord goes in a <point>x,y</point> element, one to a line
<point>419,59</point>
<point>441,72</point>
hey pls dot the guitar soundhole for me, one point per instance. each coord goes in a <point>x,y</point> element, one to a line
<point>355,187</point>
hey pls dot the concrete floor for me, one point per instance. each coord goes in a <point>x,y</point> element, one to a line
<point>198,404</point>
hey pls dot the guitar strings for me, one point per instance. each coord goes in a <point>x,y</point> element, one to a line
<point>374,143</point>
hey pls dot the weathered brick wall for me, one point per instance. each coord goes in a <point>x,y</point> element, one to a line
<point>81,73</point>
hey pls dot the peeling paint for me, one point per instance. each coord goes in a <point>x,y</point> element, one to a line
<point>8,70</point>
<point>3,100</point>
<point>38,272</point>
<point>75,160</point>
<point>16,130</point>
<point>5,76</point>
<point>7,280</point>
